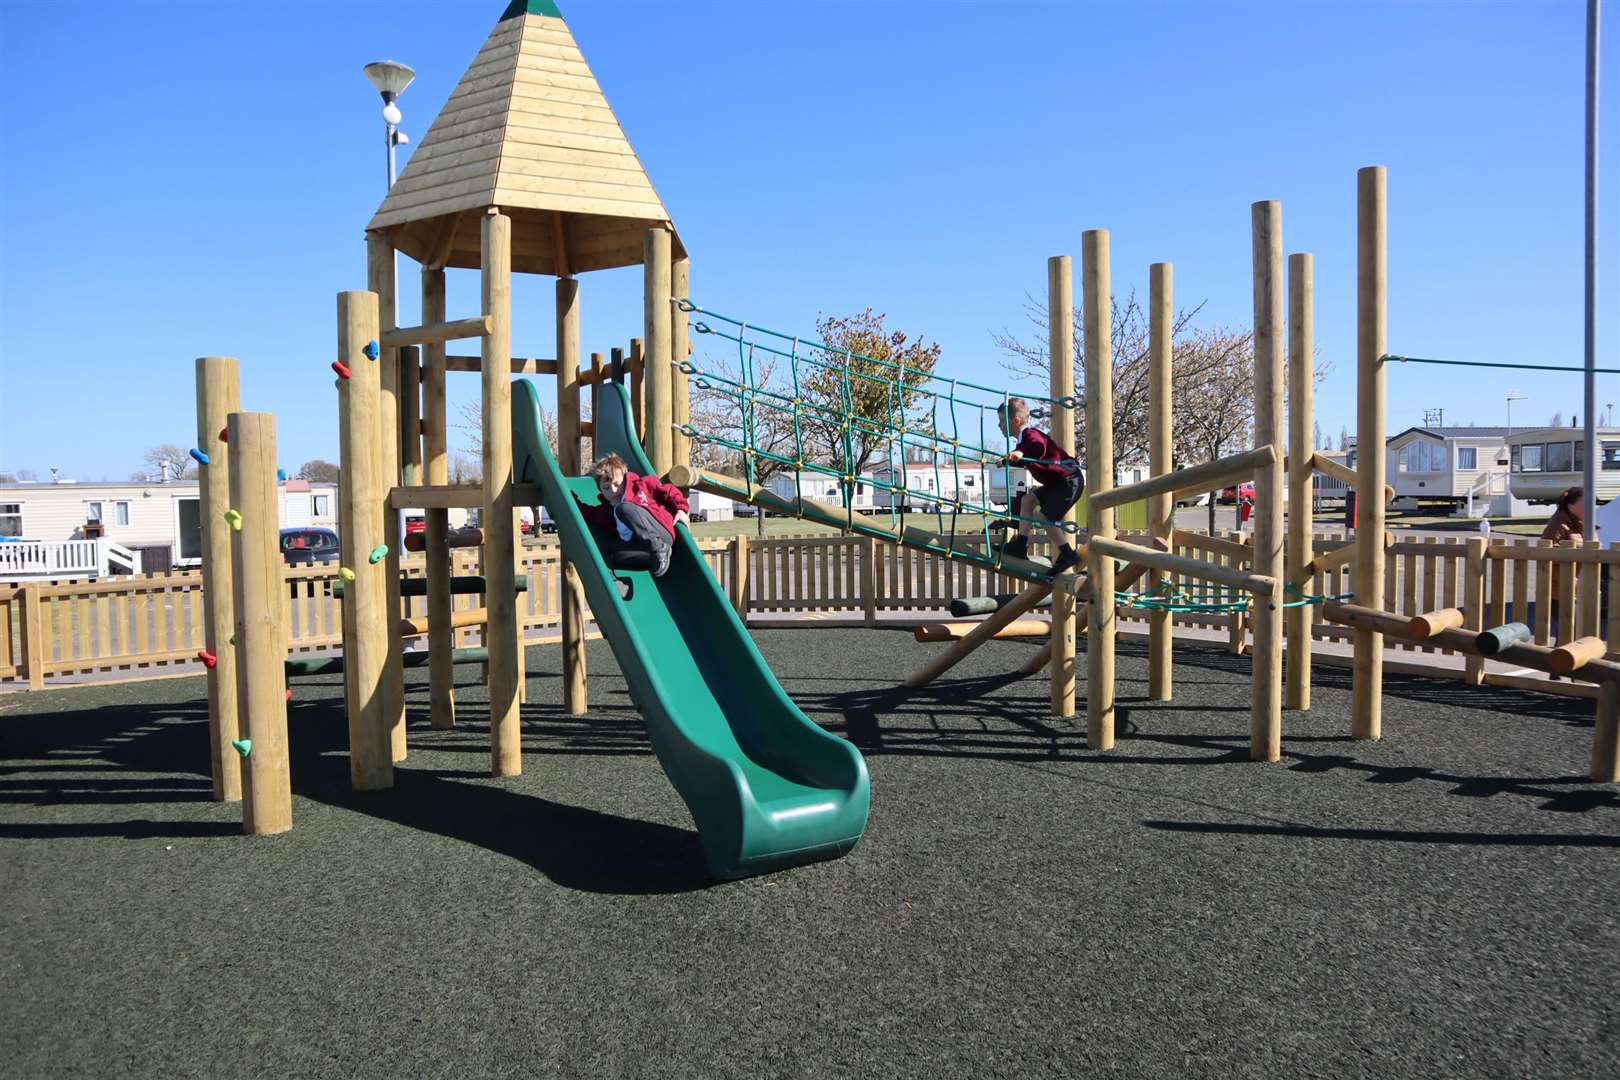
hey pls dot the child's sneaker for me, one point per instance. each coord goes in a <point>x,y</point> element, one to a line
<point>1017,547</point>
<point>1067,557</point>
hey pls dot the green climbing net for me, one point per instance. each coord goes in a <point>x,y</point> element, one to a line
<point>1166,597</point>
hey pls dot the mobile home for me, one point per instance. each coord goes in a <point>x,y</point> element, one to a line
<point>1545,462</point>
<point>1453,465</point>
<point>824,489</point>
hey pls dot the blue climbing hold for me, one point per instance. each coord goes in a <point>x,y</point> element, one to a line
<point>371,350</point>
<point>198,456</point>
<point>281,476</point>
<point>243,746</point>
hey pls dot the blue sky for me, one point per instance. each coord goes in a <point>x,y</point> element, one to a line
<point>187,178</point>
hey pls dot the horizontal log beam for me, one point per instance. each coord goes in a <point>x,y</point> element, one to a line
<point>1345,475</point>
<point>434,333</point>
<point>946,631</point>
<point>1232,549</point>
<point>461,538</point>
<point>333,665</point>
<point>520,365</point>
<point>1209,476</point>
<point>1332,560</point>
<point>460,585</point>
<point>418,626</point>
<point>1538,657</point>
<point>1186,567</point>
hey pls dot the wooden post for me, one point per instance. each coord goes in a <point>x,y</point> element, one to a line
<point>1097,290</point>
<point>1606,735</point>
<point>1060,360</point>
<point>436,467</point>
<point>1299,550</point>
<point>869,580</point>
<point>1372,315</point>
<point>635,383</point>
<point>360,529</point>
<point>218,395</point>
<point>500,549</point>
<point>658,435</point>
<point>33,635</point>
<point>380,279</point>
<point>568,459</point>
<point>739,575</point>
<point>680,347</point>
<point>410,381</point>
<point>1473,602</point>
<point>259,593</point>
<point>1265,713</point>
<point>1161,454</point>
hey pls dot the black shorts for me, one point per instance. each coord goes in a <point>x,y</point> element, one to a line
<point>1056,498</point>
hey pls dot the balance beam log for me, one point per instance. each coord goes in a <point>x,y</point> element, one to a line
<point>461,584</point>
<point>1431,623</point>
<point>963,606</point>
<point>1494,640</point>
<point>1576,654</point>
<point>464,539</point>
<point>1200,478</point>
<point>958,631</point>
<point>333,665</point>
<point>418,626</point>
<point>1538,657</point>
<point>979,635</point>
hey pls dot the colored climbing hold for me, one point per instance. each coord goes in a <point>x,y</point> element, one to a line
<point>198,456</point>
<point>225,434</point>
<point>234,519</point>
<point>281,476</point>
<point>371,350</point>
<point>208,658</point>
<point>345,573</point>
<point>289,693</point>
<point>378,553</point>
<point>341,368</point>
<point>233,639</point>
<point>243,746</point>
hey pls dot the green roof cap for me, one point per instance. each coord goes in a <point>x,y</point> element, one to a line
<point>530,7</point>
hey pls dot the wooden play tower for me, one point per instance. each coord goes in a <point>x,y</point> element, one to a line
<point>524,170</point>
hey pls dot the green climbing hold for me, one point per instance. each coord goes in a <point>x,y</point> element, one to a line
<point>243,746</point>
<point>233,639</point>
<point>378,553</point>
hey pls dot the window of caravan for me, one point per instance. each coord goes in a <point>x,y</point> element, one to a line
<point>1467,457</point>
<point>1530,457</point>
<point>1559,457</point>
<point>1611,456</point>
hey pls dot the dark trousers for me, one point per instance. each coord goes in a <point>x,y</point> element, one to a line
<point>646,534</point>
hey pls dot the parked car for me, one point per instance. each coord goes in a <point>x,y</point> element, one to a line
<point>307,546</point>
<point>1231,495</point>
<point>415,523</point>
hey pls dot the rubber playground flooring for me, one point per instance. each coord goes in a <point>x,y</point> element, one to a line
<point>1440,903</point>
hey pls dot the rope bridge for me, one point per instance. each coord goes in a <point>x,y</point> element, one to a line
<point>952,424</point>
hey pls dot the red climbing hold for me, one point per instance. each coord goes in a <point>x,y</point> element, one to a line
<point>341,368</point>
<point>225,434</point>
<point>289,693</point>
<point>208,658</point>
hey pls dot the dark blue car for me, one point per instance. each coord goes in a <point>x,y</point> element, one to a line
<point>306,546</point>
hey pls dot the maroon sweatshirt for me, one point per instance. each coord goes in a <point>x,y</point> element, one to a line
<point>663,500</point>
<point>1037,444</point>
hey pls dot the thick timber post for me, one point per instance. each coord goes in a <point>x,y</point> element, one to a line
<point>1265,712</point>
<point>218,395</point>
<point>500,548</point>
<point>568,459</point>
<point>1060,358</point>
<point>1299,550</point>
<point>1161,508</point>
<point>1097,290</point>
<point>657,435</point>
<point>1372,328</point>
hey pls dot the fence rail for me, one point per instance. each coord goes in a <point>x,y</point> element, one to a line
<point>66,629</point>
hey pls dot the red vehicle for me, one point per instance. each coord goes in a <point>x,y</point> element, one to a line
<point>415,524</point>
<point>1244,491</point>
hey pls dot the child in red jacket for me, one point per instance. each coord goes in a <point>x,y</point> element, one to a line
<point>1055,471</point>
<point>637,513</point>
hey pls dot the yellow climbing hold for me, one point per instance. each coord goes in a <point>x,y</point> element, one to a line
<point>345,573</point>
<point>233,518</point>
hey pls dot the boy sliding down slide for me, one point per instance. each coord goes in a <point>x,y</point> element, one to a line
<point>636,514</point>
<point>1056,472</point>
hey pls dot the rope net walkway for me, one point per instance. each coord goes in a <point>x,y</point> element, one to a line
<point>860,420</point>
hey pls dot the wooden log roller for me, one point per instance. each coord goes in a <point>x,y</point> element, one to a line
<point>1499,638</point>
<point>957,631</point>
<point>1431,623</point>
<point>1576,654</point>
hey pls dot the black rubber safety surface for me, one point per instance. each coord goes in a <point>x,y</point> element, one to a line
<point>1440,903</point>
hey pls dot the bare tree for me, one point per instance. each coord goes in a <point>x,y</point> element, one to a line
<point>319,471</point>
<point>169,462</point>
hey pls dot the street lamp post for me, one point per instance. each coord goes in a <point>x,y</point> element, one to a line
<point>390,77</point>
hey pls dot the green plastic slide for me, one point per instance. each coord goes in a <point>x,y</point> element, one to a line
<point>767,788</point>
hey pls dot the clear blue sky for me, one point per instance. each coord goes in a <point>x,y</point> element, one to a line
<point>182,179</point>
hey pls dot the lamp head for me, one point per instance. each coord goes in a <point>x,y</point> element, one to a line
<point>390,77</point>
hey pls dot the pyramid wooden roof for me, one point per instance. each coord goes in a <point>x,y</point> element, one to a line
<point>527,130</point>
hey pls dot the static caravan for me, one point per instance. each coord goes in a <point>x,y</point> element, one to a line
<point>928,489</point>
<point>823,489</point>
<point>1547,461</point>
<point>1453,465</point>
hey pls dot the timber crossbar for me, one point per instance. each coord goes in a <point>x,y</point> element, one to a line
<point>436,333</point>
<point>1200,478</point>
<point>1345,475</point>
<point>520,365</point>
<point>1183,565</point>
<point>1538,657</point>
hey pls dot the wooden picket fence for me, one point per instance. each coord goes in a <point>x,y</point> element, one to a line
<point>61,630</point>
